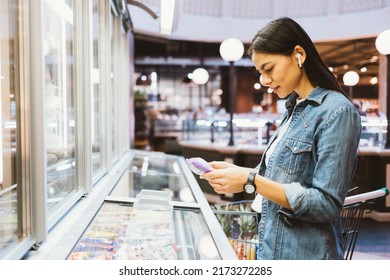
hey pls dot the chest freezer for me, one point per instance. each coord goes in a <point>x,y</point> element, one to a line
<point>156,211</point>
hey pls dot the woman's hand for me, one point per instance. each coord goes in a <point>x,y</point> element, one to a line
<point>226,177</point>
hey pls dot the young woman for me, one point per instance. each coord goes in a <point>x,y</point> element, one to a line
<point>308,165</point>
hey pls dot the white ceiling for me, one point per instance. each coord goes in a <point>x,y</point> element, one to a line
<point>216,20</point>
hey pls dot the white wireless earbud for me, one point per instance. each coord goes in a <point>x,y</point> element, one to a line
<point>299,60</point>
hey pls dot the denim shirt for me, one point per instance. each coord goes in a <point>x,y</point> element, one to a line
<point>315,161</point>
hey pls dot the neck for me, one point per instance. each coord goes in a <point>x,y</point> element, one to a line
<point>305,88</point>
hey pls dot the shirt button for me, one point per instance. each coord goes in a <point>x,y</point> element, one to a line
<point>295,148</point>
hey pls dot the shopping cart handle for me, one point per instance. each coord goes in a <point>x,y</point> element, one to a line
<point>363,197</point>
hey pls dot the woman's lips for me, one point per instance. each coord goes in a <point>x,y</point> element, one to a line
<point>271,90</point>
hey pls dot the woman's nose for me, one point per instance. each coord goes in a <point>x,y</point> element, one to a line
<point>264,81</point>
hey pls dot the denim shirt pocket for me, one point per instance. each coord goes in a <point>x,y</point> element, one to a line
<point>287,216</point>
<point>295,155</point>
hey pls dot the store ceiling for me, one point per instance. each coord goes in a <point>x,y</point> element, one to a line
<point>343,31</point>
<point>176,56</point>
<point>351,55</point>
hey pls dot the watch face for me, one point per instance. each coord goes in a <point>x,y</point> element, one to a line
<point>249,188</point>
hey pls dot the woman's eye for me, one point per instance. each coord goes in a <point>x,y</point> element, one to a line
<point>268,70</point>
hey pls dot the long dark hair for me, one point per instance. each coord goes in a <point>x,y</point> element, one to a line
<point>281,36</point>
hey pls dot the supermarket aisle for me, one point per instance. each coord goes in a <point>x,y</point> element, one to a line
<point>373,241</point>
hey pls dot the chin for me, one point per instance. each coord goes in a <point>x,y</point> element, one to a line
<point>281,95</point>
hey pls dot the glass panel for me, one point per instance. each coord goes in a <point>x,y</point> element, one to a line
<point>59,99</point>
<point>111,236</point>
<point>154,172</point>
<point>96,118</point>
<point>113,94</point>
<point>194,241</point>
<point>8,92</point>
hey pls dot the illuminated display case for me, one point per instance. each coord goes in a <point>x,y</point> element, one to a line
<point>249,128</point>
<point>374,131</point>
<point>156,211</point>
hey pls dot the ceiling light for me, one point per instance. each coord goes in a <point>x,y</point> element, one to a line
<point>170,10</point>
<point>231,49</point>
<point>374,58</point>
<point>153,76</point>
<point>382,42</point>
<point>200,76</point>
<point>143,80</point>
<point>187,79</point>
<point>363,69</point>
<point>351,78</point>
<point>373,80</point>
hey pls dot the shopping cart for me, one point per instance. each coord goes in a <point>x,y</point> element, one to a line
<point>352,214</point>
<point>239,222</point>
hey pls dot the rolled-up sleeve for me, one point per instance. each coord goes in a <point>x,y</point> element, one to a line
<point>335,150</point>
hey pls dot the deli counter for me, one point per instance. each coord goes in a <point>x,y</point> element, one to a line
<point>154,210</point>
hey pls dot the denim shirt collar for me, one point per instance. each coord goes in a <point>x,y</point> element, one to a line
<point>317,95</point>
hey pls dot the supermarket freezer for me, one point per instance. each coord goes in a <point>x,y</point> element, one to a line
<point>154,211</point>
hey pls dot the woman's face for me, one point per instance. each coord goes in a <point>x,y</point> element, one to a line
<point>280,73</point>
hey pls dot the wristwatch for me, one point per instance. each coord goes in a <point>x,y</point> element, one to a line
<point>250,186</point>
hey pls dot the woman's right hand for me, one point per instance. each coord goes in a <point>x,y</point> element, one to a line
<point>221,164</point>
<point>226,177</point>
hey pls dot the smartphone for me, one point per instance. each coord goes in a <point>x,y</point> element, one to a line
<point>198,165</point>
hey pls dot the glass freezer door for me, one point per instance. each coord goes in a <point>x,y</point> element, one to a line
<point>16,234</point>
<point>154,171</point>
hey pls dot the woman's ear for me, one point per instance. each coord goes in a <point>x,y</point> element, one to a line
<point>300,54</point>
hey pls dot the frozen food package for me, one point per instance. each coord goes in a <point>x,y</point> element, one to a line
<point>153,200</point>
<point>151,235</point>
<point>154,194</point>
<point>198,165</point>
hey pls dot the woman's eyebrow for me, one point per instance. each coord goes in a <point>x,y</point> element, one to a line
<point>264,65</point>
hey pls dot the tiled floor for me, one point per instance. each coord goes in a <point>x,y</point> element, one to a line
<point>373,241</point>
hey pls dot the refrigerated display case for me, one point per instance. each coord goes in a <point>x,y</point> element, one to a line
<point>249,128</point>
<point>155,211</point>
<point>121,232</point>
<point>156,171</point>
<point>374,131</point>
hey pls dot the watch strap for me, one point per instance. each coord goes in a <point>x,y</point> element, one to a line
<point>251,177</point>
